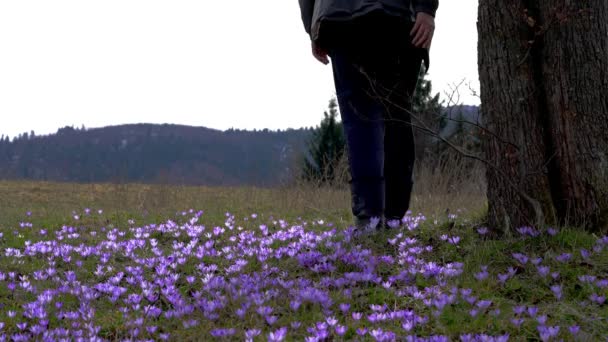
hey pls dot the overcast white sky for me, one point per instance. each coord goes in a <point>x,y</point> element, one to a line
<point>220,64</point>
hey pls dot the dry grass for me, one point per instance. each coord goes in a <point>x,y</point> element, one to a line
<point>453,184</point>
<point>448,188</point>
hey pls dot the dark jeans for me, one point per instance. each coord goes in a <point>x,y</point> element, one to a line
<point>375,78</point>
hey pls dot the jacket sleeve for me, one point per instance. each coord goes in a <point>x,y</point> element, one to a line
<point>307,8</point>
<point>426,6</point>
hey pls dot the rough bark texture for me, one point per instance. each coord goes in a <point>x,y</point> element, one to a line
<point>544,93</point>
<point>575,74</point>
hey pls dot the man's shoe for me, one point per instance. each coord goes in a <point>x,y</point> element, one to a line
<point>367,224</point>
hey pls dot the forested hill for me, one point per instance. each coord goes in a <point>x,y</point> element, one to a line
<point>155,153</point>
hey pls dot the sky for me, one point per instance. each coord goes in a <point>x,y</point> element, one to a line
<point>219,64</point>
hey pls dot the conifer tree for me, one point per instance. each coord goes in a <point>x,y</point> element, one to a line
<point>326,147</point>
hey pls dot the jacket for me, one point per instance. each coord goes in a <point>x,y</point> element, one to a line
<point>314,12</point>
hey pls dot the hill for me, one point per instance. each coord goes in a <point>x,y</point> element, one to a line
<point>176,154</point>
<point>150,153</point>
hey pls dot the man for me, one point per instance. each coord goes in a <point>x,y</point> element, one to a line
<point>376,48</point>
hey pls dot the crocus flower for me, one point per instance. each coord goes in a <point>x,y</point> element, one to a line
<point>517,321</point>
<point>586,278</point>
<point>484,304</point>
<point>543,271</point>
<point>483,274</point>
<point>522,258</point>
<point>278,335</point>
<point>250,334</point>
<point>331,321</point>
<point>541,319</point>
<point>408,325</point>
<point>557,291</point>
<point>271,319</point>
<point>502,278</point>
<point>454,240</point>
<point>546,333</point>
<point>597,299</point>
<point>564,257</point>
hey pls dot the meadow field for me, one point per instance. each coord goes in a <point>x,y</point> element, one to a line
<point>162,262</point>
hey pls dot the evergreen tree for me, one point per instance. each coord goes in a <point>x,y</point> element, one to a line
<point>427,112</point>
<point>326,147</point>
<point>424,103</point>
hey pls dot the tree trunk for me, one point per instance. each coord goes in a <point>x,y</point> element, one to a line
<point>544,92</point>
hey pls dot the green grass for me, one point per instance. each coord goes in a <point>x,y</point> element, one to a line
<point>53,205</point>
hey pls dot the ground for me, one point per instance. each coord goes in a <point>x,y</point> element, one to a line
<point>144,262</point>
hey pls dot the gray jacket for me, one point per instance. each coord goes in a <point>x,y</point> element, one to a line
<point>316,11</point>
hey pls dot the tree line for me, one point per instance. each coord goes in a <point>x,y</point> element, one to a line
<point>155,153</point>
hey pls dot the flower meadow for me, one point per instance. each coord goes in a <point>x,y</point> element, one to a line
<point>258,278</point>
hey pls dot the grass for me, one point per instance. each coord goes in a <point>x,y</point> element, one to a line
<point>326,262</point>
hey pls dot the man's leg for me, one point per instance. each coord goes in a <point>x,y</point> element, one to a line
<point>364,130</point>
<point>399,148</point>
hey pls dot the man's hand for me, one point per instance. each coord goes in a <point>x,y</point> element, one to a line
<point>423,30</point>
<point>320,54</point>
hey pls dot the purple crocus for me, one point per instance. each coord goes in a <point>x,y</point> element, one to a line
<point>557,291</point>
<point>332,321</point>
<point>271,319</point>
<point>454,240</point>
<point>536,261</point>
<point>483,274</point>
<point>250,334</point>
<point>543,271</point>
<point>278,335</point>
<point>587,278</point>
<point>518,310</point>
<point>564,257</point>
<point>408,325</point>
<point>517,322</point>
<point>574,329</point>
<point>484,304</point>
<point>522,258</point>
<point>502,278</point>
<point>341,330</point>
<point>542,320</point>
<point>546,333</point>
<point>600,300</point>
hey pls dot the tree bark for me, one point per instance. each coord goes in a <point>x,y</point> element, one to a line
<point>544,92</point>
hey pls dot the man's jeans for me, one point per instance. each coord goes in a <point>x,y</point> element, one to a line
<point>374,82</point>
